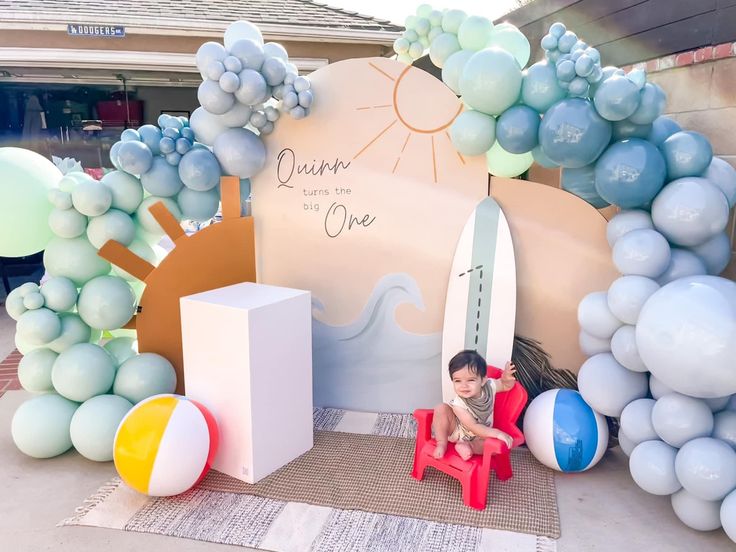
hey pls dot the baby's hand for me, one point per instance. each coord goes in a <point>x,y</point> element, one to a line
<point>507,377</point>
<point>505,437</point>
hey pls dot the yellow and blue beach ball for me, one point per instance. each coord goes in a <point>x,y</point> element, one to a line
<point>165,445</point>
<point>563,432</point>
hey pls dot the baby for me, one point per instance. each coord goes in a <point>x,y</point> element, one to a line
<point>467,419</point>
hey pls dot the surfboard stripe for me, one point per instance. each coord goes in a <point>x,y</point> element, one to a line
<point>478,312</point>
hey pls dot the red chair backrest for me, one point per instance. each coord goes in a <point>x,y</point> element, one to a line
<point>509,404</point>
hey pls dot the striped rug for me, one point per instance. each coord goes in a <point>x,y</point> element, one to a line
<point>325,504</point>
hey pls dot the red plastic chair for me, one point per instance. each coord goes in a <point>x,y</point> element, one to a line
<point>474,474</point>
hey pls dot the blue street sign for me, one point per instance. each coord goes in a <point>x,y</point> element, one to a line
<point>108,31</point>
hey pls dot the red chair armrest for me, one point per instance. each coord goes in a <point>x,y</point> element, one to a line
<point>424,423</point>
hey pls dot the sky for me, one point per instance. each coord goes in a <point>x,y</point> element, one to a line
<point>397,10</point>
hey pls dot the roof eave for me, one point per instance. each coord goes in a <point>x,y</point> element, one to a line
<point>40,21</point>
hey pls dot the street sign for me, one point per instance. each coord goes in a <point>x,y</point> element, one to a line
<point>108,31</point>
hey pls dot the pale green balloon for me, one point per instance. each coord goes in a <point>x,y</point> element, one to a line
<point>94,425</point>
<point>39,326</point>
<point>473,132</point>
<point>23,346</point>
<point>68,223</point>
<point>91,198</point>
<point>416,50</point>
<point>33,301</point>
<point>144,251</point>
<point>14,304</point>
<point>26,180</point>
<point>113,225</point>
<point>474,33</point>
<point>75,259</point>
<point>513,41</point>
<point>434,32</point>
<point>405,58</point>
<point>505,164</point>
<point>453,68</point>
<point>83,371</point>
<point>126,189</point>
<point>124,333</point>
<point>424,10</point>
<point>145,218</point>
<point>200,206</point>
<point>442,48</point>
<point>34,370</point>
<point>28,287</point>
<point>143,376</point>
<point>122,348</point>
<point>59,293</point>
<point>60,199</point>
<point>40,426</point>
<point>452,19</point>
<point>73,331</point>
<point>491,81</point>
<point>106,303</point>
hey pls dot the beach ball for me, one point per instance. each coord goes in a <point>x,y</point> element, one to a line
<point>563,432</point>
<point>165,445</point>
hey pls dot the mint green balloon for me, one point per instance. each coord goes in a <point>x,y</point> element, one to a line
<point>145,218</point>
<point>113,225</point>
<point>126,189</point>
<point>40,426</point>
<point>73,331</point>
<point>33,301</point>
<point>83,371</point>
<point>491,81</point>
<point>34,370</point>
<point>25,180</point>
<point>122,348</point>
<point>23,347</point>
<point>106,303</point>
<point>144,251</point>
<point>67,223</point>
<point>94,425</point>
<point>505,164</point>
<point>423,10</point>
<point>59,293</point>
<point>442,47</point>
<point>452,19</point>
<point>143,376</point>
<point>473,132</point>
<point>14,304</point>
<point>91,198</point>
<point>513,41</point>
<point>453,68</point>
<point>199,206</point>
<point>60,199</point>
<point>38,327</point>
<point>75,259</point>
<point>474,33</point>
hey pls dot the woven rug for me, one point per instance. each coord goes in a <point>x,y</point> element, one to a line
<point>352,491</point>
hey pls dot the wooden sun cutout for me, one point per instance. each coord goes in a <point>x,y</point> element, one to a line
<point>218,255</point>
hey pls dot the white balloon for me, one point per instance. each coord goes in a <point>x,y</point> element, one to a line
<point>724,427</point>
<point>706,468</point>
<point>682,263</point>
<point>643,252</point>
<point>636,422</point>
<point>678,419</point>
<point>626,221</point>
<point>625,442</point>
<point>657,388</point>
<point>728,515</point>
<point>652,466</point>
<point>206,126</point>
<point>240,30</point>
<point>591,345</point>
<point>624,350</point>
<point>595,317</point>
<point>274,49</point>
<point>607,386</point>
<point>698,514</point>
<point>213,98</point>
<point>207,53</point>
<point>627,296</point>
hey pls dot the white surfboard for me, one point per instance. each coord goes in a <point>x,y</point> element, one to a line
<point>480,308</point>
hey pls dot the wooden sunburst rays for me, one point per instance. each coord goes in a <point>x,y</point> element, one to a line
<point>218,255</point>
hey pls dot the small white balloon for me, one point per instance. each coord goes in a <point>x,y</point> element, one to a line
<point>652,466</point>
<point>213,98</point>
<point>607,386</point>
<point>595,317</point>
<point>642,252</point>
<point>626,221</point>
<point>627,296</point>
<point>636,422</point>
<point>678,419</point>
<point>591,345</point>
<point>625,351</point>
<point>698,514</point>
<point>241,30</point>
<point>706,467</point>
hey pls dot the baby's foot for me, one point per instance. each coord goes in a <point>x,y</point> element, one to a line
<point>463,449</point>
<point>439,450</point>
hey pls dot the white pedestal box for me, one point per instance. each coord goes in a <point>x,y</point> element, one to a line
<point>248,357</point>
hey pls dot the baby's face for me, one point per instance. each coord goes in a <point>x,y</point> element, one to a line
<point>467,384</point>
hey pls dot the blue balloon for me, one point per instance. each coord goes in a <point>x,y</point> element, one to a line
<point>662,128</point>
<point>572,134</point>
<point>183,145</point>
<point>199,170</point>
<point>652,100</point>
<point>167,145</point>
<point>626,129</point>
<point>687,153</point>
<point>539,87</point>
<point>130,134</point>
<point>151,135</point>
<point>114,150</point>
<point>162,179</point>
<point>617,98</point>
<point>134,157</point>
<point>171,132</point>
<point>629,173</point>
<point>240,152</point>
<point>517,129</point>
<point>581,182</point>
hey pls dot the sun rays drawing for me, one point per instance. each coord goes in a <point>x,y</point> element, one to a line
<point>398,117</point>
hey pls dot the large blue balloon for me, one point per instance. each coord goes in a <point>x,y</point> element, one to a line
<point>134,157</point>
<point>617,98</point>
<point>687,153</point>
<point>630,173</point>
<point>581,182</point>
<point>161,179</point>
<point>540,89</point>
<point>199,170</point>
<point>517,129</point>
<point>662,128</point>
<point>652,100</point>
<point>572,134</point>
<point>626,129</point>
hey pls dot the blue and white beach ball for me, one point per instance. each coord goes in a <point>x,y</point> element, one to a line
<point>563,432</point>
